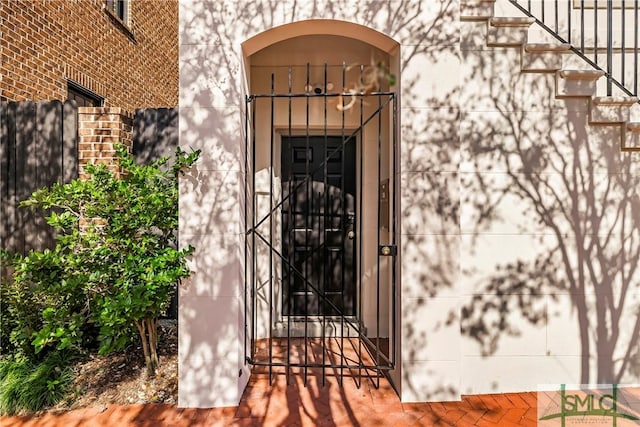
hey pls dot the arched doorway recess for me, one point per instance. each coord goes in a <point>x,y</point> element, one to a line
<point>320,207</point>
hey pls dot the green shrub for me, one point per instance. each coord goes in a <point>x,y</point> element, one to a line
<point>27,386</point>
<point>116,262</point>
<point>36,301</point>
<point>19,312</point>
<point>7,318</point>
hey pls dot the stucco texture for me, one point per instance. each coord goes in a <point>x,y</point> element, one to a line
<point>517,217</point>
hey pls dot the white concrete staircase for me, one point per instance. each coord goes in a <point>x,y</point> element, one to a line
<point>571,81</point>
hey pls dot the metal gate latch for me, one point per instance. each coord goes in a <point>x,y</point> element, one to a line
<point>388,250</point>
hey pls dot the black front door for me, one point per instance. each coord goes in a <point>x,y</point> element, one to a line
<point>318,226</point>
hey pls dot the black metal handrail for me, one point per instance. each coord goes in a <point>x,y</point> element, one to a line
<point>556,17</point>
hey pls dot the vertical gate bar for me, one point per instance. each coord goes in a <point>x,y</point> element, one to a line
<point>556,14</point>
<point>271,131</point>
<point>378,245</point>
<point>254,299</point>
<point>582,25</point>
<point>289,237</point>
<point>623,13</point>
<point>542,10</point>
<point>595,31</point>
<point>610,45</point>
<point>326,214</point>
<point>394,136</point>
<point>342,201</point>
<point>635,51</point>
<point>360,313</point>
<point>246,176</point>
<point>569,21</point>
<point>306,231</point>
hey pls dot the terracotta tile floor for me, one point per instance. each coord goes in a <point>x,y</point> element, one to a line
<point>360,401</point>
<point>332,350</point>
<point>276,404</point>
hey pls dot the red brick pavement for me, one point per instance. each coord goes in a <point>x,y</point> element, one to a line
<point>278,404</point>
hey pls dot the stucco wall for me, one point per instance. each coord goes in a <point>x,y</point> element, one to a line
<point>507,197</point>
<point>548,235</point>
<point>212,86</point>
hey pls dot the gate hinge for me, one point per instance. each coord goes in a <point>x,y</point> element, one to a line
<point>388,250</point>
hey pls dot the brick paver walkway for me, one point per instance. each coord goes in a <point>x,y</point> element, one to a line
<point>276,404</point>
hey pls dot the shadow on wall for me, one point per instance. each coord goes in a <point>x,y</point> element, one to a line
<point>155,133</point>
<point>209,312</point>
<point>533,167</point>
<point>38,147</point>
<point>430,245</point>
<point>211,76</point>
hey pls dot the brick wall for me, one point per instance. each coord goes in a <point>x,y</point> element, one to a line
<point>46,42</point>
<point>99,129</point>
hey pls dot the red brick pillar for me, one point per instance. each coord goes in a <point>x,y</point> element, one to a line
<point>99,129</point>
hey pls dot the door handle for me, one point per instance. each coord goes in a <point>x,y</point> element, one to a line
<point>351,234</point>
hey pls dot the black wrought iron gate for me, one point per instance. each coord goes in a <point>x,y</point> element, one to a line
<point>320,247</point>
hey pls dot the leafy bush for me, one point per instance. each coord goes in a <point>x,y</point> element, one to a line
<point>7,317</point>
<point>46,302</point>
<point>116,260</point>
<point>26,386</point>
<point>20,312</point>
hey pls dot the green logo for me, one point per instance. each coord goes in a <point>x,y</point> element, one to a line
<point>590,404</point>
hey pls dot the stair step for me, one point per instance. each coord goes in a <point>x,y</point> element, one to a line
<point>507,31</point>
<point>543,57</point>
<point>610,109</point>
<point>632,137</point>
<point>547,57</point>
<point>476,10</point>
<point>576,83</point>
<point>581,74</point>
<point>509,21</point>
<point>547,47</point>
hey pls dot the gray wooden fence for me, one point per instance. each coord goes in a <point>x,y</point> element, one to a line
<point>38,146</point>
<point>155,135</point>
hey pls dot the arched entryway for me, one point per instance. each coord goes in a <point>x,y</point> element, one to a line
<point>320,199</point>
